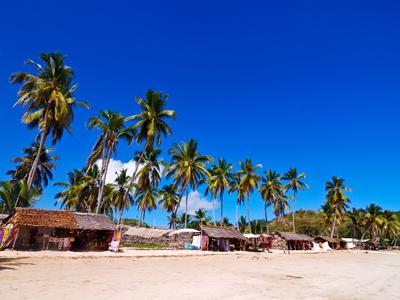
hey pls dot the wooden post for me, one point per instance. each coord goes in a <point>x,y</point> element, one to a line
<point>15,239</point>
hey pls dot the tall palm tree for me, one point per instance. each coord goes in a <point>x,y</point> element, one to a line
<point>335,196</point>
<point>45,167</point>
<point>113,129</point>
<point>237,187</point>
<point>281,204</point>
<point>220,180</point>
<point>200,215</point>
<point>270,190</point>
<point>249,182</point>
<point>151,123</point>
<point>295,184</point>
<point>356,217</point>
<point>17,194</point>
<point>48,98</point>
<point>121,187</point>
<point>373,220</point>
<point>187,168</point>
<point>169,199</point>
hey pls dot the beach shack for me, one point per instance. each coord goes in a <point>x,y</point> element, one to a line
<point>334,243</point>
<point>39,229</point>
<point>222,239</point>
<point>291,241</point>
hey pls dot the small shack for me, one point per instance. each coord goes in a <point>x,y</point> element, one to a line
<point>222,239</point>
<point>143,235</point>
<point>40,229</point>
<point>291,241</point>
<point>334,243</point>
<point>184,235</point>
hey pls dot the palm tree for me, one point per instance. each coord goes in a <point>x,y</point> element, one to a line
<point>169,199</point>
<point>201,216</point>
<point>225,222</point>
<point>121,187</point>
<point>390,226</point>
<point>335,196</point>
<point>242,224</point>
<point>187,168</point>
<point>151,123</point>
<point>113,129</point>
<point>182,219</point>
<point>48,98</point>
<point>69,197</point>
<point>356,217</point>
<point>172,220</point>
<point>249,182</point>
<point>294,184</point>
<point>328,212</point>
<point>220,180</point>
<point>373,220</point>
<point>281,204</point>
<point>146,200</point>
<point>45,167</point>
<point>238,188</point>
<point>17,194</point>
<point>270,190</point>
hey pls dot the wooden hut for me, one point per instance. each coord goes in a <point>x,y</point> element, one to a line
<point>222,239</point>
<point>39,229</point>
<point>291,241</point>
<point>334,243</point>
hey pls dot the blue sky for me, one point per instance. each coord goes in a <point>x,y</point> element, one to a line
<point>288,83</point>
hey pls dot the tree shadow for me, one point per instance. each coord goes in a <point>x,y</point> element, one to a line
<point>9,263</point>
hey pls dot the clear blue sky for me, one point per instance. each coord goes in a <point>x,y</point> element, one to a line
<point>288,83</point>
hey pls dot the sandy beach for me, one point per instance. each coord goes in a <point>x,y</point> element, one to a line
<point>168,274</point>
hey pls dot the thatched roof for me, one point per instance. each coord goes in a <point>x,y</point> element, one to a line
<point>327,239</point>
<point>291,236</point>
<point>147,233</point>
<point>59,219</point>
<point>87,221</point>
<point>221,232</point>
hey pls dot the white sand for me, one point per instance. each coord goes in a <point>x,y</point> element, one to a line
<point>134,275</point>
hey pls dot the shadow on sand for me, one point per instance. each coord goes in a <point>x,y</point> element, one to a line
<point>9,263</point>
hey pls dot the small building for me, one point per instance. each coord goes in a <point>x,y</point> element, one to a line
<point>222,239</point>
<point>40,229</point>
<point>334,243</point>
<point>184,235</point>
<point>291,241</point>
<point>143,235</point>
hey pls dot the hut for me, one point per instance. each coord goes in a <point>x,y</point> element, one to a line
<point>334,243</point>
<point>222,239</point>
<point>185,235</point>
<point>291,241</point>
<point>142,235</point>
<point>39,229</point>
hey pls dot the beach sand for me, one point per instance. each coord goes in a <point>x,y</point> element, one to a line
<point>166,275</point>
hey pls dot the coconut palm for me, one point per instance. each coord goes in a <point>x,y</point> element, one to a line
<point>249,182</point>
<point>48,99</point>
<point>113,129</point>
<point>172,220</point>
<point>69,197</point>
<point>328,212</point>
<point>294,184</point>
<point>150,172</point>
<point>45,167</point>
<point>146,200</point>
<point>240,194</point>
<point>390,226</point>
<point>225,222</point>
<point>281,204</point>
<point>187,168</point>
<point>16,194</point>
<point>373,220</point>
<point>182,219</point>
<point>335,196</point>
<point>219,181</point>
<point>200,216</point>
<point>169,199</point>
<point>121,187</point>
<point>356,217</point>
<point>242,224</point>
<point>270,190</point>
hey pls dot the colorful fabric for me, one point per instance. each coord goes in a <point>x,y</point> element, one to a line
<point>7,236</point>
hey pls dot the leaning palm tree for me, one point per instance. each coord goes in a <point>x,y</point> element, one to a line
<point>336,197</point>
<point>113,129</point>
<point>373,220</point>
<point>270,190</point>
<point>151,124</point>
<point>16,194</point>
<point>45,167</point>
<point>187,168</point>
<point>237,187</point>
<point>295,184</point>
<point>48,98</point>
<point>220,180</point>
<point>249,182</point>
<point>169,199</point>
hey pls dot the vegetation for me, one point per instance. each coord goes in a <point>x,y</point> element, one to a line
<point>47,97</point>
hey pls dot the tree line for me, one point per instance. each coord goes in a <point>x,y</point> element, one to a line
<point>47,96</point>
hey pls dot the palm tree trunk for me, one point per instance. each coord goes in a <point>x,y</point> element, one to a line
<point>266,217</point>
<point>103,179</point>
<point>222,208</point>
<point>248,213</point>
<point>293,211</point>
<point>186,206</point>
<point>35,164</point>
<point>237,215</point>
<point>213,209</point>
<point>334,223</point>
